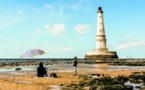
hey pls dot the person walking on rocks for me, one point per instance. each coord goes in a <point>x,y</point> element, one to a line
<point>75,65</point>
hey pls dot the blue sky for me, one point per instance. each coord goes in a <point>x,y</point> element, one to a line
<point>67,28</point>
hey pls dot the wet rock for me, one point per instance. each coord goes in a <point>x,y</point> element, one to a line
<point>18,69</point>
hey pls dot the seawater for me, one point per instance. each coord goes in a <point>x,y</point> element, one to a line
<point>69,67</point>
<point>35,60</point>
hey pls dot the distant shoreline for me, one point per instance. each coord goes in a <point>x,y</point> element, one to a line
<point>23,62</point>
<point>66,59</point>
<point>18,60</point>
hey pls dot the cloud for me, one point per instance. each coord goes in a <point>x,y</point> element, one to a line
<point>126,36</point>
<point>11,21</point>
<point>60,12</point>
<point>47,27</point>
<point>49,6</point>
<point>82,29</point>
<point>132,44</point>
<point>61,48</point>
<point>57,30</point>
<point>137,43</point>
<point>38,31</point>
<point>122,46</point>
<point>37,10</point>
<point>74,7</point>
<point>20,12</point>
<point>5,39</point>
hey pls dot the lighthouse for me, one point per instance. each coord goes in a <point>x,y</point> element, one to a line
<point>100,37</point>
<point>101,50</point>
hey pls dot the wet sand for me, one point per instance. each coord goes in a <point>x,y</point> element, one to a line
<point>27,80</point>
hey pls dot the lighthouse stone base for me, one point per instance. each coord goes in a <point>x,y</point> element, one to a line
<point>98,55</point>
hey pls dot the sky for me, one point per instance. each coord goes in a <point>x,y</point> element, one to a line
<point>67,28</point>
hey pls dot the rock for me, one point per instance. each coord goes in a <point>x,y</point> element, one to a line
<point>18,69</point>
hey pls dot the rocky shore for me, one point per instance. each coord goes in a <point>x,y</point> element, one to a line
<point>31,63</point>
<point>135,81</point>
<point>133,63</point>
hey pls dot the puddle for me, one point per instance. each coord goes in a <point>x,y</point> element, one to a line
<point>134,85</point>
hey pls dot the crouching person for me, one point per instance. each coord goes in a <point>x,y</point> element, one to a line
<point>41,71</point>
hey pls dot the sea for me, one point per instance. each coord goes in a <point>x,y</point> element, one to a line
<point>9,60</point>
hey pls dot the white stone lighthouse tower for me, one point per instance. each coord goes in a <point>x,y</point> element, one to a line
<point>101,50</point>
<point>100,37</point>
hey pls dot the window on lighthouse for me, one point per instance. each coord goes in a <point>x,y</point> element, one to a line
<point>100,30</point>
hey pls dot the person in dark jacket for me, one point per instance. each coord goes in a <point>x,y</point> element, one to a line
<point>41,71</point>
<point>75,65</point>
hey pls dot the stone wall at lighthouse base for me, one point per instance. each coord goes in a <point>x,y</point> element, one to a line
<point>98,56</point>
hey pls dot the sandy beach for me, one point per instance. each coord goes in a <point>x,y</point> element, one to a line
<point>26,79</point>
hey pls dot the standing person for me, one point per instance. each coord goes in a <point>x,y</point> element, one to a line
<point>75,65</point>
<point>41,71</point>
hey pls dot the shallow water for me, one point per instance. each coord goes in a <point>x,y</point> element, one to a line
<point>134,85</point>
<point>69,67</point>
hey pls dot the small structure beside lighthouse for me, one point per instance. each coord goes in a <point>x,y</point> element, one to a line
<point>101,51</point>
